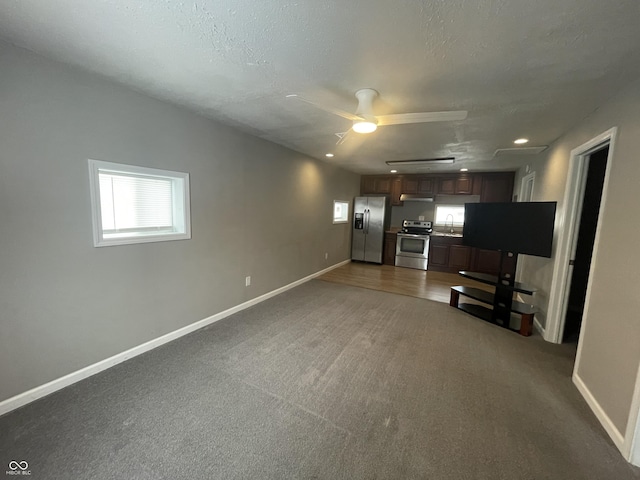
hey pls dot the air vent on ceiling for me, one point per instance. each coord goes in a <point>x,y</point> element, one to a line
<point>520,151</point>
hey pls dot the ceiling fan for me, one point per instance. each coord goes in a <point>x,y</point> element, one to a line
<point>365,121</point>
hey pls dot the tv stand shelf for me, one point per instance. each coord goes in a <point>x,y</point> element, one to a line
<point>524,310</point>
<point>493,280</point>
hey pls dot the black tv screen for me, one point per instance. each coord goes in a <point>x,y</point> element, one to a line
<point>519,227</point>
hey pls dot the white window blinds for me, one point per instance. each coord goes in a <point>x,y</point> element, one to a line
<point>132,203</point>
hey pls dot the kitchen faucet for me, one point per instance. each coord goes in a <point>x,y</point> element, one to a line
<point>446,220</point>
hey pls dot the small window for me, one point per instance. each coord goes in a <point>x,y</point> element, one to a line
<point>137,204</point>
<point>340,211</point>
<point>444,214</point>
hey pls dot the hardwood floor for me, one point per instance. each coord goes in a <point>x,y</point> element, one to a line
<point>405,281</point>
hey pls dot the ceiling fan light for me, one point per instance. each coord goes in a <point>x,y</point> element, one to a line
<point>364,127</point>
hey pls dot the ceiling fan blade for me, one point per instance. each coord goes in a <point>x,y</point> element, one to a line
<point>352,145</point>
<point>342,137</point>
<point>335,111</point>
<point>402,118</point>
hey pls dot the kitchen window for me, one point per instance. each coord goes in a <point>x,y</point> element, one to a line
<point>340,211</point>
<point>132,204</point>
<point>445,212</point>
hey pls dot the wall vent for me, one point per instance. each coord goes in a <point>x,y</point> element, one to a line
<point>520,151</point>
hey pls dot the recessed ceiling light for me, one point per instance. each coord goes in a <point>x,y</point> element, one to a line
<point>328,155</point>
<point>393,171</point>
<point>464,169</point>
<point>521,141</point>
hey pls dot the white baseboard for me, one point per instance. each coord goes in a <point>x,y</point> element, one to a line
<point>614,433</point>
<point>538,326</point>
<point>59,383</point>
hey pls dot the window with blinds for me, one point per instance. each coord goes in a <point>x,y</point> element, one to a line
<point>137,204</point>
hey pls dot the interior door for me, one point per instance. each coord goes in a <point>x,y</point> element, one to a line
<point>581,264</point>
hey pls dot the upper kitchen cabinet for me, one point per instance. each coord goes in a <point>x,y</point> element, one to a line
<point>376,184</point>
<point>497,187</point>
<point>396,191</point>
<point>426,185</point>
<point>490,186</point>
<point>415,184</point>
<point>456,185</point>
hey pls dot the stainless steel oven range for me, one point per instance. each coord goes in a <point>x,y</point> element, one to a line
<point>412,247</point>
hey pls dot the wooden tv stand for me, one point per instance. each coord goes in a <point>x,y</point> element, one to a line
<point>502,301</point>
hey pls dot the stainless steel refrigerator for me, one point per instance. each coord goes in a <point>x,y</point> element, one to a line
<point>370,218</point>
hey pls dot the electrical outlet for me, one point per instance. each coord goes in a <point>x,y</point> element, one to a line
<point>247,281</point>
<point>326,256</point>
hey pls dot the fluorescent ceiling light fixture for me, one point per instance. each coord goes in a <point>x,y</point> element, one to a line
<point>364,126</point>
<point>328,155</point>
<point>393,171</point>
<point>521,141</point>
<point>464,169</point>
<point>425,161</point>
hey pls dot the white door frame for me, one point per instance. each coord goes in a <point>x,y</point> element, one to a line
<point>567,230</point>
<point>527,185</point>
<point>628,442</point>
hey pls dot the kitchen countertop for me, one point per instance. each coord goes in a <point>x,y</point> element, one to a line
<point>443,234</point>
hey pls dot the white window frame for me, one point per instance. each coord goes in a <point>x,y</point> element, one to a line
<point>344,218</point>
<point>180,201</point>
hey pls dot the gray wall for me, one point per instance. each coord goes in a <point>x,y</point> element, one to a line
<point>610,349</point>
<point>256,208</point>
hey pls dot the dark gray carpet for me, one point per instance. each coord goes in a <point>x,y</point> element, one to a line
<point>325,381</point>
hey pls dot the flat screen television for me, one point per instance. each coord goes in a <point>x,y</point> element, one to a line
<point>518,227</point>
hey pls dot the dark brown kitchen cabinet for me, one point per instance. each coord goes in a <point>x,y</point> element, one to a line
<point>410,185</point>
<point>389,251</point>
<point>497,187</point>
<point>414,185</point>
<point>396,191</point>
<point>447,186</point>
<point>464,185</point>
<point>491,186</point>
<point>456,185</point>
<point>459,257</point>
<point>375,184</point>
<point>426,186</point>
<point>486,261</point>
<point>438,256</point>
<point>447,254</point>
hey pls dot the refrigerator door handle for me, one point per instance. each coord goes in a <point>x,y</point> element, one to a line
<point>368,217</point>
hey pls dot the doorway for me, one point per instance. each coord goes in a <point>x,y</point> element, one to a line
<point>580,263</point>
<point>567,227</point>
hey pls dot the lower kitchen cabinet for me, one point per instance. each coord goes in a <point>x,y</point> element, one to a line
<point>486,261</point>
<point>460,257</point>
<point>389,251</point>
<point>438,256</point>
<point>448,254</point>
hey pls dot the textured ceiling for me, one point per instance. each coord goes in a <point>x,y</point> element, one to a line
<point>520,67</point>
